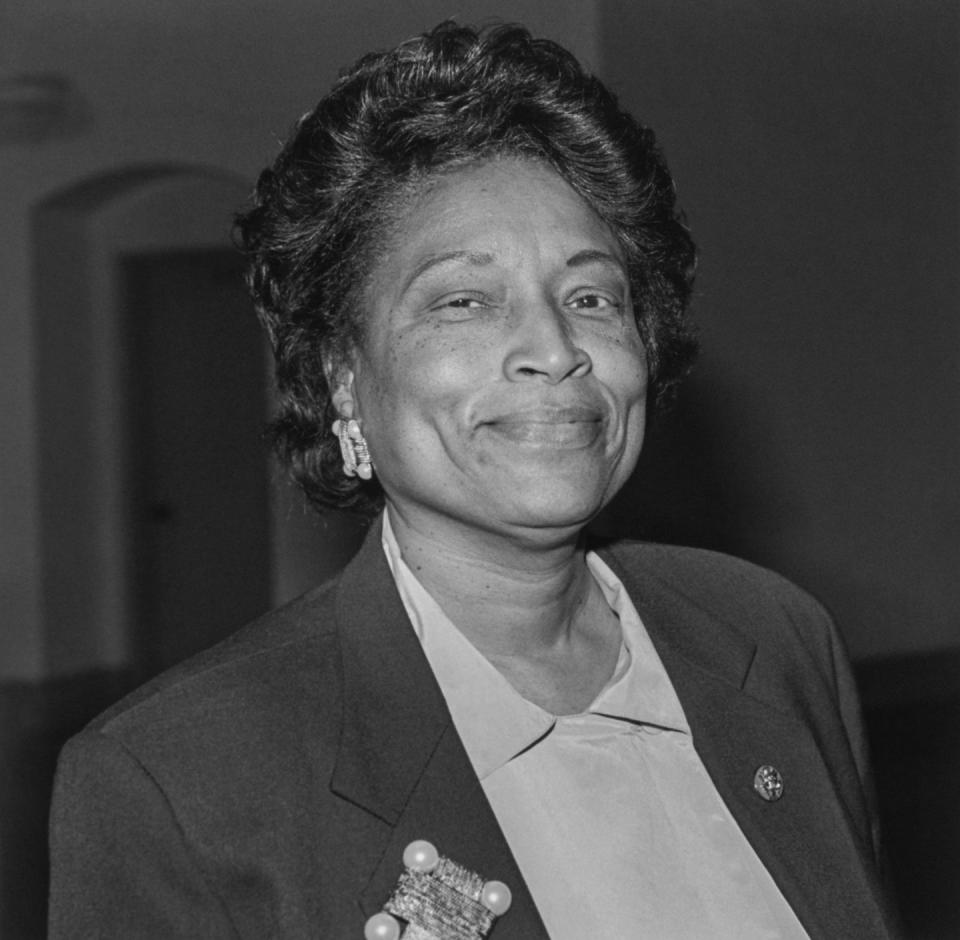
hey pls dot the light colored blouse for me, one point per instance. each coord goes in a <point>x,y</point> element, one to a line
<point>610,814</point>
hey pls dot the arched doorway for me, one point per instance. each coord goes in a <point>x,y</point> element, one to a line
<point>151,383</point>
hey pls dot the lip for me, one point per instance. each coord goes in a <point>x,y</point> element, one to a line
<point>573,427</point>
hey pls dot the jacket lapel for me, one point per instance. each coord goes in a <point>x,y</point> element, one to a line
<point>400,757</point>
<point>806,840</point>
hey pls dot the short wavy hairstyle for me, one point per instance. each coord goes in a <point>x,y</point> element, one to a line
<point>322,213</point>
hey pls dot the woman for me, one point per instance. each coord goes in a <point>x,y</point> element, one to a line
<point>474,277</point>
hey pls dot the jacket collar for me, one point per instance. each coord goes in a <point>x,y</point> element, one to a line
<point>680,628</point>
<point>400,757</point>
<point>394,713</point>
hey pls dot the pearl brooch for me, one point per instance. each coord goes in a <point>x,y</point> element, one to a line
<point>437,899</point>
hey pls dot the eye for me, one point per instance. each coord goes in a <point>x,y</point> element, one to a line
<point>460,302</point>
<point>594,300</point>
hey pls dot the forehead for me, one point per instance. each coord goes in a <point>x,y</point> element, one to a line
<point>494,204</point>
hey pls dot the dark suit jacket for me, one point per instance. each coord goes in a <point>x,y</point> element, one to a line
<point>268,787</point>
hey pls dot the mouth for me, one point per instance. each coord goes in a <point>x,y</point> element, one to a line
<point>549,427</point>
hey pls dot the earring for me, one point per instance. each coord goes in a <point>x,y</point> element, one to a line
<point>353,446</point>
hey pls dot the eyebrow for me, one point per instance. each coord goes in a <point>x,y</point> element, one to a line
<point>476,258</point>
<point>484,258</point>
<point>593,256</point>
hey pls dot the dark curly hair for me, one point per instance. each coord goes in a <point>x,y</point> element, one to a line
<point>449,98</point>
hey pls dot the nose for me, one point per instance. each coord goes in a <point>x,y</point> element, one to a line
<point>543,346</point>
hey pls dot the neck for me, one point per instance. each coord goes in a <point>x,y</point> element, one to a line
<point>509,597</point>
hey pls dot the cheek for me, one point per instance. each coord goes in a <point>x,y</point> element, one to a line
<point>441,370</point>
<point>624,370</point>
<point>406,388</point>
<point>619,354</point>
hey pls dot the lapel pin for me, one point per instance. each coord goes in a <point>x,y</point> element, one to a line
<point>437,899</point>
<point>768,783</point>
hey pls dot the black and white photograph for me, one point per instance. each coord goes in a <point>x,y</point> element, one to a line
<point>480,470</point>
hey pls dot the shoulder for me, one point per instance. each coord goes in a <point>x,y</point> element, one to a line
<point>745,623</point>
<point>274,684</point>
<point>206,784</point>
<point>217,759</point>
<point>712,578</point>
<point>270,676</point>
<point>790,628</point>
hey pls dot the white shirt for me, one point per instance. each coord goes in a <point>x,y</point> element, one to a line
<point>610,814</point>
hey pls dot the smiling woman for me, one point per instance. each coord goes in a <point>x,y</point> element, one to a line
<point>474,276</point>
<point>502,377</point>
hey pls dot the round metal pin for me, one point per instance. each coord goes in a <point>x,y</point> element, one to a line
<point>768,783</point>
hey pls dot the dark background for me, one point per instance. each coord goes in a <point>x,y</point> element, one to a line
<point>815,147</point>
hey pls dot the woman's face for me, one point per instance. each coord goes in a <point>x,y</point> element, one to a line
<point>502,380</point>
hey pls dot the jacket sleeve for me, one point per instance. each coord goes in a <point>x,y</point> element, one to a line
<point>120,865</point>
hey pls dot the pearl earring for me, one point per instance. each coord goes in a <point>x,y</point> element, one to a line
<point>353,447</point>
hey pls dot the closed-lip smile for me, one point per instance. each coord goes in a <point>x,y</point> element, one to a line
<point>570,426</point>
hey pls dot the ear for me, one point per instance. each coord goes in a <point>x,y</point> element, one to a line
<point>340,379</point>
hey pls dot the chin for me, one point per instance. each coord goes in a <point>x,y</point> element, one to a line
<point>543,496</point>
<point>551,508</point>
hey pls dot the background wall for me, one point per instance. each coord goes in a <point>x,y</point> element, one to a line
<point>816,150</point>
